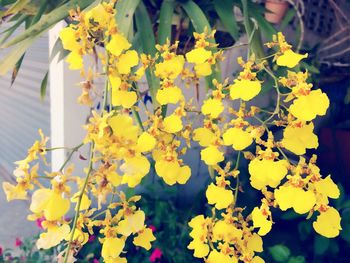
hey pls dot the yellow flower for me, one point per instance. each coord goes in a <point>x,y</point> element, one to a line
<point>114,178</point>
<point>69,40</point>
<point>172,172</point>
<point>298,139</point>
<point>200,249</point>
<point>328,223</point>
<point>245,89</point>
<point>290,59</point>
<point>216,257</point>
<point>98,14</point>
<point>172,123</point>
<point>134,169</point>
<point>255,243</point>
<point>203,70</point>
<point>212,107</point>
<point>75,60</point>
<point>14,192</point>
<point>118,44</point>
<point>50,202</point>
<point>146,142</point>
<point>211,155</point>
<point>144,238</point>
<point>266,172</point>
<point>53,236</point>
<point>199,233</point>
<point>219,196</point>
<point>132,223</point>
<point>257,259</point>
<point>122,127</point>
<point>307,107</point>
<point>198,55</point>
<point>238,138</point>
<point>126,61</point>
<point>85,201</point>
<point>169,95</point>
<point>111,248</point>
<point>260,220</point>
<point>170,68</point>
<point>294,197</point>
<point>123,98</point>
<point>327,187</point>
<point>115,82</point>
<point>204,136</point>
<point>225,231</point>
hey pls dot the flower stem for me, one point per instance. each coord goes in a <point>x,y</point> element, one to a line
<point>79,203</point>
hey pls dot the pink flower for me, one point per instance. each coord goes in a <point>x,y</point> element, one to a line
<point>95,261</point>
<point>18,242</point>
<point>39,222</point>
<point>156,254</point>
<point>91,238</point>
<point>153,228</point>
<point>1,251</point>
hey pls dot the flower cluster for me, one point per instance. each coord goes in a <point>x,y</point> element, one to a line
<point>124,146</point>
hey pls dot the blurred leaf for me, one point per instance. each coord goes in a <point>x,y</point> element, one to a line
<point>304,229</point>
<point>165,21</point>
<point>16,69</point>
<point>345,223</point>
<point>298,259</point>
<point>9,31</point>
<point>321,245</point>
<point>290,215</point>
<point>124,16</point>
<point>147,42</point>
<point>47,21</point>
<point>224,9</point>
<point>43,86</point>
<point>279,253</point>
<point>15,54</point>
<point>287,19</point>
<point>16,7</point>
<point>267,29</point>
<point>58,50</point>
<point>200,22</point>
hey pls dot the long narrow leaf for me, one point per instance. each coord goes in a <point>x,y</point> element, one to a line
<point>43,86</point>
<point>165,21</point>
<point>48,20</point>
<point>224,9</point>
<point>200,23</point>
<point>11,59</point>
<point>125,13</point>
<point>144,27</point>
<point>17,7</point>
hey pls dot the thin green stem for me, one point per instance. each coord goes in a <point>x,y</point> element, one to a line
<point>79,203</point>
<point>76,148</point>
<point>237,179</point>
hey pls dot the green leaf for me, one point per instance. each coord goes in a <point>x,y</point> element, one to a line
<point>16,7</point>
<point>147,42</point>
<point>9,31</point>
<point>298,259</point>
<point>287,19</point>
<point>165,21</point>
<point>15,54</point>
<point>224,9</point>
<point>58,50</point>
<point>16,69</point>
<point>321,245</point>
<point>43,86</point>
<point>200,23</point>
<point>267,29</point>
<point>125,12</point>
<point>47,21</point>
<point>279,253</point>
<point>304,229</point>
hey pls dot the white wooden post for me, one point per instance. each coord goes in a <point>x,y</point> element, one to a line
<point>67,116</point>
